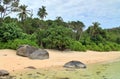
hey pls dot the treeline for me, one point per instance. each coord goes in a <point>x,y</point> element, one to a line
<point>52,34</point>
<point>57,34</point>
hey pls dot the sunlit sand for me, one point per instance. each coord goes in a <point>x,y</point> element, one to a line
<point>11,62</point>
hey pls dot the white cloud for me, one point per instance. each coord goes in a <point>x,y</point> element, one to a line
<point>78,9</point>
<point>72,7</point>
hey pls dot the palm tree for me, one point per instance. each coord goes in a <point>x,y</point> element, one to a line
<point>7,6</point>
<point>24,13</point>
<point>80,29</point>
<point>60,22</point>
<point>95,29</point>
<point>77,28</point>
<point>1,10</point>
<point>59,18</point>
<point>42,12</point>
<point>96,32</point>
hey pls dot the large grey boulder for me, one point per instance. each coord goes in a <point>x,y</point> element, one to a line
<point>25,50</point>
<point>74,64</point>
<point>4,73</point>
<point>39,54</point>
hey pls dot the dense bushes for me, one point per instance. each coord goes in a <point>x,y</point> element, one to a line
<point>57,35</point>
<point>9,31</point>
<point>77,46</point>
<point>106,46</point>
<point>13,44</point>
<point>54,37</point>
<point>11,36</point>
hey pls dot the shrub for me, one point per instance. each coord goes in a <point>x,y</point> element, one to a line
<point>90,46</point>
<point>16,43</point>
<point>77,46</point>
<point>101,46</point>
<point>107,48</point>
<point>54,37</point>
<point>28,36</point>
<point>94,47</point>
<point>115,47</point>
<point>9,31</point>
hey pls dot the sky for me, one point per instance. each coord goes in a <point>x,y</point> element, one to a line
<point>106,12</point>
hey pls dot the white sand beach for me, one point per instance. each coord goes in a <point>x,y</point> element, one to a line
<point>11,62</point>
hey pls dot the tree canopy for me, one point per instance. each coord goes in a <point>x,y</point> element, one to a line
<point>52,34</point>
<point>42,12</point>
<point>7,7</point>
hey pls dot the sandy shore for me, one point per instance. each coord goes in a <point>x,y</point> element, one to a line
<point>11,62</point>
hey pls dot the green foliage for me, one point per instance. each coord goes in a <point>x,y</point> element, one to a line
<point>93,46</point>
<point>9,31</point>
<point>118,40</point>
<point>114,35</point>
<point>106,46</point>
<point>77,46</point>
<point>54,37</point>
<point>29,36</point>
<point>113,46</point>
<point>30,25</point>
<point>77,27</point>
<point>40,34</point>
<point>13,44</point>
<point>27,26</point>
<point>86,41</point>
<point>23,12</point>
<point>57,34</point>
<point>96,33</point>
<point>9,20</point>
<point>42,12</point>
<point>7,7</point>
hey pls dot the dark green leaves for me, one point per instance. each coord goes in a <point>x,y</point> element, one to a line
<point>55,37</point>
<point>9,31</point>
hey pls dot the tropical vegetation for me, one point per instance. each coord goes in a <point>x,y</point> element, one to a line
<point>52,34</point>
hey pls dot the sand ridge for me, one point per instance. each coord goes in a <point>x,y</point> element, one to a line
<point>11,62</point>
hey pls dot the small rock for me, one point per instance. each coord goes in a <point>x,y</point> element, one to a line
<point>64,78</point>
<point>4,73</point>
<point>5,55</point>
<point>31,67</point>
